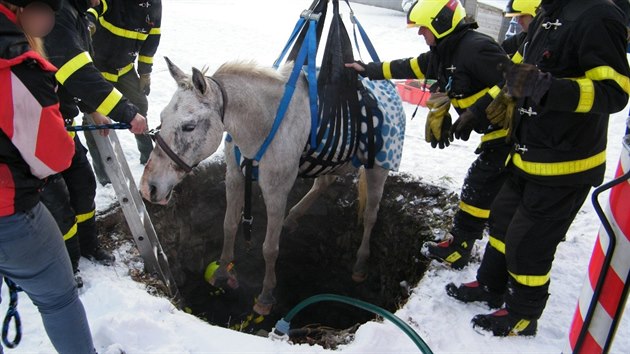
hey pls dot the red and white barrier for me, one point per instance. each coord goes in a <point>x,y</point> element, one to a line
<point>596,336</point>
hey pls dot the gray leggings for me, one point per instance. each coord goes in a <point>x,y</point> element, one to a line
<point>33,255</point>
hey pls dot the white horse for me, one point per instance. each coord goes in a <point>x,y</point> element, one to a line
<point>242,99</point>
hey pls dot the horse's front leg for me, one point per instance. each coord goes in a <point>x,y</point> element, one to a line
<point>319,186</point>
<point>375,178</point>
<point>235,194</point>
<point>275,196</point>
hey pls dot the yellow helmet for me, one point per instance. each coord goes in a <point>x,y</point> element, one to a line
<point>521,7</point>
<point>439,16</point>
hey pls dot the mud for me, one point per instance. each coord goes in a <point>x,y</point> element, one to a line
<point>317,258</point>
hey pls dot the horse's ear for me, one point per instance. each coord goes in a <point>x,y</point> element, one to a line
<point>176,72</point>
<point>199,81</point>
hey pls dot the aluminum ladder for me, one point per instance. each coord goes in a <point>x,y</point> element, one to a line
<point>134,210</point>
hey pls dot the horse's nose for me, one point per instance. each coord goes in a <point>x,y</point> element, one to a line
<point>152,192</point>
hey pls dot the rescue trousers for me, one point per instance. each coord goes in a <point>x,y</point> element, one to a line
<point>481,185</point>
<point>129,85</point>
<point>527,222</point>
<point>69,196</point>
<point>33,256</point>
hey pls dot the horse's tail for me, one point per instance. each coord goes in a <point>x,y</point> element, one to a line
<point>362,191</point>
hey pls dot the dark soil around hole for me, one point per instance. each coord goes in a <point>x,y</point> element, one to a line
<point>317,258</point>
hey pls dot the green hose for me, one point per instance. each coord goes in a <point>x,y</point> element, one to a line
<point>284,324</point>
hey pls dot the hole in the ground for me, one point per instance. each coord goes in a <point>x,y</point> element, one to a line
<point>317,258</point>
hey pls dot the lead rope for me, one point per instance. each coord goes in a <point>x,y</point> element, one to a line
<point>12,313</point>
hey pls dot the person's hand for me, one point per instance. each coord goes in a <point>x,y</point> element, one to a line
<point>145,83</point>
<point>358,66</point>
<point>91,28</point>
<point>138,124</point>
<point>525,80</point>
<point>464,125</point>
<point>438,124</point>
<point>100,119</point>
<point>501,110</point>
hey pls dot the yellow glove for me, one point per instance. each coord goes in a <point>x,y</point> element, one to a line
<point>145,83</point>
<point>500,111</point>
<point>91,28</point>
<point>438,120</point>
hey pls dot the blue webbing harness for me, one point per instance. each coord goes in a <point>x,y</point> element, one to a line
<point>308,53</point>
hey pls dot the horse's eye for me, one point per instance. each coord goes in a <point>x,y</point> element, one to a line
<point>189,127</point>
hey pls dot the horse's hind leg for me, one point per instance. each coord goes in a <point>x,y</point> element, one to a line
<point>319,186</point>
<point>376,178</point>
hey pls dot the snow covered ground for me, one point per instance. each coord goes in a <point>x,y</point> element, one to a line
<point>125,318</point>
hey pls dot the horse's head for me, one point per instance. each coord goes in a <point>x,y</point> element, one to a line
<point>191,128</point>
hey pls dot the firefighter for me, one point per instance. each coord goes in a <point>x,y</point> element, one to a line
<point>82,87</point>
<point>574,74</point>
<point>464,63</point>
<point>524,12</point>
<point>487,174</point>
<point>126,32</point>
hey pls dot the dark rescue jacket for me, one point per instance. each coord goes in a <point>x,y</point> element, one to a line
<point>512,44</point>
<point>126,30</point>
<point>33,140</point>
<point>583,45</point>
<point>464,63</point>
<point>69,48</point>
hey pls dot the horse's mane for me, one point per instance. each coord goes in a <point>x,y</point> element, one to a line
<point>250,68</point>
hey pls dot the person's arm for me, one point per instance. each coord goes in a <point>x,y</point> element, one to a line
<point>80,77</point>
<point>485,67</point>
<point>602,55</point>
<point>150,45</point>
<point>36,127</point>
<point>409,68</point>
<point>93,15</point>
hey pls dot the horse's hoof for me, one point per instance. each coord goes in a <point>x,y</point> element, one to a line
<point>262,309</point>
<point>223,283</point>
<point>290,226</point>
<point>232,283</point>
<point>359,277</point>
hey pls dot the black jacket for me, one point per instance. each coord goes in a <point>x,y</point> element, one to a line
<point>464,63</point>
<point>126,30</point>
<point>512,44</point>
<point>582,44</point>
<point>69,48</point>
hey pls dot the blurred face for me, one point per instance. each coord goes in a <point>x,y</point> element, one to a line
<point>94,3</point>
<point>524,21</point>
<point>36,19</point>
<point>429,37</point>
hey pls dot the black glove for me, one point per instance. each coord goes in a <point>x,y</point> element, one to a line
<point>464,125</point>
<point>525,80</point>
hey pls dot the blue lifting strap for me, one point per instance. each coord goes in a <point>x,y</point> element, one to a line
<point>365,38</point>
<point>309,48</point>
<point>296,31</point>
